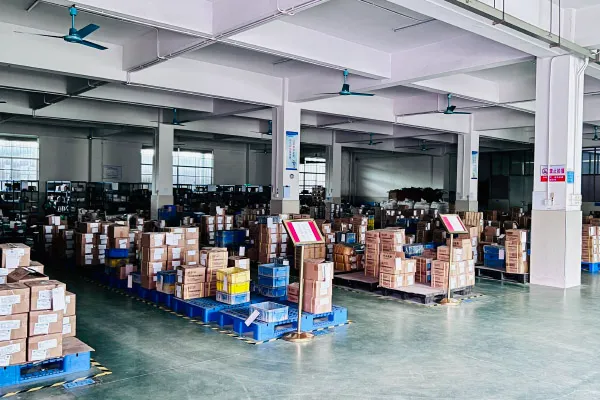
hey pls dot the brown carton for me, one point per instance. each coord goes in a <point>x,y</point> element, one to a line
<point>148,282</point>
<point>188,274</point>
<point>152,268</point>
<point>69,326</point>
<point>45,322</point>
<point>25,275</point>
<point>89,227</point>
<point>318,288</point>
<point>191,256</point>
<point>47,295</point>
<point>189,290</point>
<point>171,265</point>
<point>13,327</point>
<point>174,239</point>
<point>15,255</point>
<point>118,231</point>
<point>13,352</point>
<point>14,298</point>
<point>152,254</point>
<point>36,266</point>
<point>70,301</point>
<point>44,347</point>
<point>192,232</point>
<point>316,305</point>
<point>153,239</point>
<point>119,243</point>
<point>318,270</point>
<point>239,262</point>
<point>175,229</point>
<point>174,253</point>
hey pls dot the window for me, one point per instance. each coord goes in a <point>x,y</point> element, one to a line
<point>189,167</point>
<point>19,159</point>
<point>312,173</point>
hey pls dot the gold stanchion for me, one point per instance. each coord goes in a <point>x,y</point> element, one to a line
<point>300,336</point>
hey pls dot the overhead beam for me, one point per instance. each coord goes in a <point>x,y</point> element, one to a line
<point>440,122</point>
<point>430,103</point>
<point>522,135</point>
<point>501,118</point>
<point>75,87</point>
<point>371,108</point>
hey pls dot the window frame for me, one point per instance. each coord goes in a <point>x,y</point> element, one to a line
<point>19,142</point>
<point>317,177</point>
<point>182,170</point>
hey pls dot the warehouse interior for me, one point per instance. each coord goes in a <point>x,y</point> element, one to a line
<point>161,118</point>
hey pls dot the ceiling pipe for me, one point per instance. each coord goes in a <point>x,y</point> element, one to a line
<point>499,17</point>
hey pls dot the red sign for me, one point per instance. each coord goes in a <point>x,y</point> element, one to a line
<point>554,178</point>
<point>303,231</point>
<point>553,173</point>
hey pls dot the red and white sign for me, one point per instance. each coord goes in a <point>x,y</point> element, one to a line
<point>553,173</point>
<point>453,223</point>
<point>303,231</point>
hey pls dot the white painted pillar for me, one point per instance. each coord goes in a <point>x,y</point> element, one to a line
<point>334,170</point>
<point>467,171</point>
<point>162,178</point>
<point>556,215</point>
<point>285,157</point>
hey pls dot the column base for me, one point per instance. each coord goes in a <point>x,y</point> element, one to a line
<point>285,206</point>
<point>555,248</point>
<point>466,205</point>
<point>158,201</point>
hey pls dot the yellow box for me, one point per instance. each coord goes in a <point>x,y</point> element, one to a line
<point>233,288</point>
<point>233,275</point>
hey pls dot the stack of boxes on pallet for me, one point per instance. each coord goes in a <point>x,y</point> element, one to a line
<point>423,270</point>
<point>176,249</point>
<point>359,227</point>
<point>86,244</point>
<point>153,258</point>
<point>372,253</point>
<point>272,239</point>
<point>590,248</point>
<point>345,258</point>
<point>459,273</point>
<point>233,285</point>
<point>318,286</point>
<point>329,238</point>
<point>208,229</point>
<point>199,279</point>
<point>395,271</point>
<point>516,251</point>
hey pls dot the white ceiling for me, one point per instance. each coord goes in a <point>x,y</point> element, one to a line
<point>369,25</point>
<point>577,3</point>
<point>56,19</point>
<point>509,73</point>
<point>399,92</point>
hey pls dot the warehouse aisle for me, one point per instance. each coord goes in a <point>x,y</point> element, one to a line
<point>515,342</point>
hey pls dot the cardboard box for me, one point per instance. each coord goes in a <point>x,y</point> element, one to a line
<point>318,270</point>
<point>191,256</point>
<point>118,231</point>
<point>192,232</point>
<point>85,238</point>
<point>15,255</point>
<point>214,257</point>
<point>119,243</point>
<point>191,243</point>
<point>45,322</point>
<point>148,282</point>
<point>316,305</point>
<point>153,239</point>
<point>44,347</point>
<point>47,295</point>
<point>189,290</point>
<point>89,227</point>
<point>173,264</point>
<point>153,254</point>
<point>396,281</point>
<point>36,266</point>
<point>13,352</point>
<point>189,274</point>
<point>174,239</point>
<point>69,326</point>
<point>239,262</point>
<point>391,264</point>
<point>70,304</point>
<point>25,275</point>
<point>175,253</point>
<point>13,327</point>
<point>14,298</point>
<point>318,288</point>
<point>152,268</point>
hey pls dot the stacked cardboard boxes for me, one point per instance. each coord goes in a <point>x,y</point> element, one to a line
<point>14,319</point>
<point>516,251</point>
<point>318,286</point>
<point>311,251</point>
<point>176,249</point>
<point>117,236</point>
<point>346,259</point>
<point>423,270</point>
<point>459,273</point>
<point>590,246</point>
<point>272,240</point>
<point>329,238</point>
<point>191,281</point>
<point>372,253</point>
<point>359,227</point>
<point>208,227</point>
<point>395,271</point>
<point>153,258</point>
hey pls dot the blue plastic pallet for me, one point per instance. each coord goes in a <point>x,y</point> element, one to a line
<point>205,309</point>
<point>144,293</point>
<point>38,371</point>
<point>117,283</point>
<point>590,267</point>
<point>261,331</point>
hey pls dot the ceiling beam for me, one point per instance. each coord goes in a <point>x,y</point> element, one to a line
<point>440,122</point>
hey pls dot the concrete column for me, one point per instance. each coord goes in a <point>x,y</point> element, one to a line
<point>556,203</point>
<point>334,171</point>
<point>467,171</point>
<point>285,158</point>
<point>162,178</point>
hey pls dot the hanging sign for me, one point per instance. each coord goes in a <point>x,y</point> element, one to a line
<point>292,150</point>
<point>474,164</point>
<point>303,231</point>
<point>112,173</point>
<point>453,223</point>
<point>553,173</point>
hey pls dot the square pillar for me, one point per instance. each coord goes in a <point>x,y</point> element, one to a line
<point>556,201</point>
<point>467,171</point>
<point>162,171</point>
<point>285,159</point>
<point>334,171</point>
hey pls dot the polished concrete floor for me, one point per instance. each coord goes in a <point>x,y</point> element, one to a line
<point>515,342</point>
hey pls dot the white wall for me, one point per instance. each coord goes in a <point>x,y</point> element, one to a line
<point>375,174</point>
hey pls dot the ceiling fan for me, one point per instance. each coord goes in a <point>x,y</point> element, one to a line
<point>175,121</point>
<point>450,110</point>
<point>75,36</point>
<point>422,146</point>
<point>346,88</point>
<point>269,130</point>
<point>370,142</point>
<point>2,101</point>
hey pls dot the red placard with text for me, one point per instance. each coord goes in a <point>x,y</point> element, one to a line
<point>303,231</point>
<point>453,223</point>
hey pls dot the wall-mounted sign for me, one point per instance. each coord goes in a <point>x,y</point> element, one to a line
<point>474,164</point>
<point>112,173</point>
<point>553,173</point>
<point>292,150</point>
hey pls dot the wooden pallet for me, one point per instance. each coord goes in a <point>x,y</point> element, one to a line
<point>500,274</point>
<point>425,294</point>
<point>357,280</point>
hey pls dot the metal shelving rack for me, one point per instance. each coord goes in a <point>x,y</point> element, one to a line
<point>19,199</point>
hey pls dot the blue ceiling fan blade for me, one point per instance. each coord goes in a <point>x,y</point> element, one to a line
<point>461,112</point>
<point>41,34</point>
<point>91,28</point>
<point>360,94</point>
<point>93,45</point>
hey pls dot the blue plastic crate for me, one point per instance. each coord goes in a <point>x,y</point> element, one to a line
<point>232,299</point>
<point>262,219</point>
<point>493,263</point>
<point>273,282</point>
<point>274,270</point>
<point>116,253</point>
<point>345,237</point>
<point>490,249</point>
<point>268,291</point>
<point>167,276</point>
<point>269,311</point>
<point>412,250</point>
